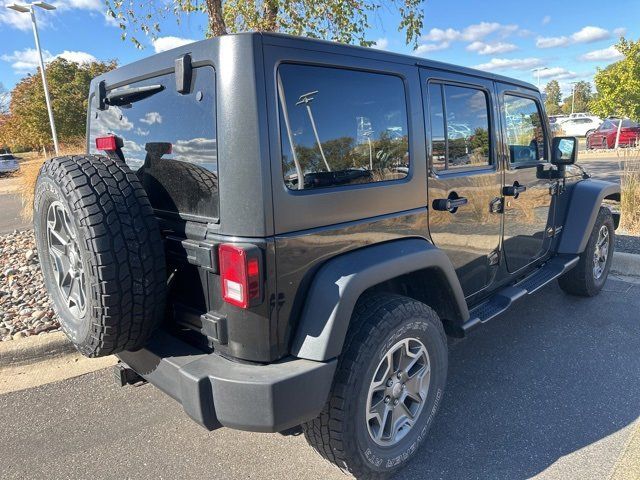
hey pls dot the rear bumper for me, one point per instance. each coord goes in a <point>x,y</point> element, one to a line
<point>217,392</point>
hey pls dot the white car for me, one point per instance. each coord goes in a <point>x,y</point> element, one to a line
<point>579,126</point>
<point>8,163</point>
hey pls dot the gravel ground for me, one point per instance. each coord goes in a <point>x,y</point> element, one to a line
<point>25,309</point>
<point>627,243</point>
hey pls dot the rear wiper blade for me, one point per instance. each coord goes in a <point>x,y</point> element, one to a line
<point>127,95</point>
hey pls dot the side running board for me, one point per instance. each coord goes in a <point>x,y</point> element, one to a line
<point>501,301</point>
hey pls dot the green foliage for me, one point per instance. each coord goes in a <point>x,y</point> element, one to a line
<point>580,99</point>
<point>27,124</point>
<point>345,21</point>
<point>618,84</point>
<point>553,98</point>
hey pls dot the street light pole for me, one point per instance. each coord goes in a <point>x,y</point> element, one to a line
<point>573,95</point>
<point>29,8</point>
<point>538,70</point>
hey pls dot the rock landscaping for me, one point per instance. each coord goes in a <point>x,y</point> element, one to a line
<point>25,309</point>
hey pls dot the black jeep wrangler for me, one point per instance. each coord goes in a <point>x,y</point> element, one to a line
<point>282,232</point>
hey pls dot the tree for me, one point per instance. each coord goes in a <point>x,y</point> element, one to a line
<point>580,98</point>
<point>27,124</point>
<point>345,21</point>
<point>618,84</point>
<point>553,98</point>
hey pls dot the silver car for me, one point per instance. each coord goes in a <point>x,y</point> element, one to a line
<point>8,163</point>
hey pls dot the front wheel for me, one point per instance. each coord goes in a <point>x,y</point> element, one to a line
<point>590,275</point>
<point>388,387</point>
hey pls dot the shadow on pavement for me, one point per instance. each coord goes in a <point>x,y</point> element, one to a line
<point>537,384</point>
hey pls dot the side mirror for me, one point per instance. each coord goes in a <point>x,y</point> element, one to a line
<point>564,150</point>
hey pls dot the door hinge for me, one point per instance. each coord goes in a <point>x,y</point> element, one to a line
<point>556,189</point>
<point>496,205</point>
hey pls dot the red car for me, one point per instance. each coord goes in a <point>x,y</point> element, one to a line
<point>605,135</point>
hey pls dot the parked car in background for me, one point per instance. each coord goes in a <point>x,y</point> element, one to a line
<point>605,135</point>
<point>8,163</point>
<point>555,119</point>
<point>580,126</point>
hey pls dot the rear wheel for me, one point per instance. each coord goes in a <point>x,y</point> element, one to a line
<point>590,275</point>
<point>387,390</point>
<point>101,253</point>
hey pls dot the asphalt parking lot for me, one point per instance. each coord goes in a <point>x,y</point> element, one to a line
<point>551,390</point>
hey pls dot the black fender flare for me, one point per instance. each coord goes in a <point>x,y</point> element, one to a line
<point>585,201</point>
<point>339,283</point>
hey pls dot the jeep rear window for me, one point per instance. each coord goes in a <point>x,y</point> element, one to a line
<point>181,179</point>
<point>341,127</point>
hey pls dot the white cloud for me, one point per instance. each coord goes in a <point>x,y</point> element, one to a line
<point>481,30</point>
<point>196,150</point>
<point>440,39</point>
<point>606,54</point>
<point>381,44</point>
<point>26,61</point>
<point>546,20</point>
<point>590,34</point>
<point>510,64</point>
<point>619,32</point>
<point>162,44</point>
<point>491,48</point>
<point>471,33</point>
<point>586,34</point>
<point>111,120</point>
<point>151,117</point>
<point>431,47</point>
<point>77,57</point>
<point>557,73</point>
<point>551,42</point>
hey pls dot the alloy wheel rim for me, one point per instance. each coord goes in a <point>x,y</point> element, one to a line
<point>65,259</point>
<point>601,252</point>
<point>398,391</point>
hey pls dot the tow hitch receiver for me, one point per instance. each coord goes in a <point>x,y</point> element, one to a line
<point>124,375</point>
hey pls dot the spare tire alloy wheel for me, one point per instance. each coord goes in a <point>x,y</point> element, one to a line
<point>398,391</point>
<point>66,262</point>
<point>101,253</point>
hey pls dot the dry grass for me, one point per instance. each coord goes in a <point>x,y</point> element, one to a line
<point>630,201</point>
<point>29,170</point>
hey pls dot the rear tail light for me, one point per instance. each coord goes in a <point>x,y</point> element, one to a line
<point>240,275</point>
<point>107,144</point>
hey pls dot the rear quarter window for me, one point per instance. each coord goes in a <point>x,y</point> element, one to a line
<point>181,180</point>
<point>341,127</point>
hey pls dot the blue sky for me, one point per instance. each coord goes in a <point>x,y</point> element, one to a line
<point>570,38</point>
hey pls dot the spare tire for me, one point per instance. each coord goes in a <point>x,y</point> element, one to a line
<point>101,253</point>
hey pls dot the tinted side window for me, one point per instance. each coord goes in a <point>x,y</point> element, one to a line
<point>341,127</point>
<point>463,113</point>
<point>181,178</point>
<point>525,135</point>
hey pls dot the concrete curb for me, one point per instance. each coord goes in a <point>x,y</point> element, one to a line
<point>626,264</point>
<point>30,349</point>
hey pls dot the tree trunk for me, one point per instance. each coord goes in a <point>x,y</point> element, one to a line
<point>216,20</point>
<point>270,15</point>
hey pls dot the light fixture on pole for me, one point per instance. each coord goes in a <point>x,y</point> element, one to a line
<point>573,95</point>
<point>28,8</point>
<point>537,71</point>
